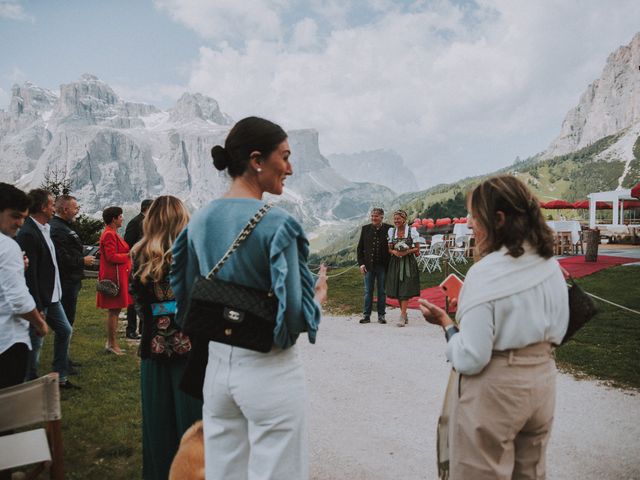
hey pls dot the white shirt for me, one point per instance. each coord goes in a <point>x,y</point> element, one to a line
<point>408,231</point>
<point>538,313</point>
<point>57,286</point>
<point>15,298</point>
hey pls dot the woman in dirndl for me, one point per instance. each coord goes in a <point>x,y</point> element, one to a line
<point>403,277</point>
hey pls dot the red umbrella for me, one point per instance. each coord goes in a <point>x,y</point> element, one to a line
<point>631,203</point>
<point>581,205</point>
<point>558,204</point>
<point>635,191</point>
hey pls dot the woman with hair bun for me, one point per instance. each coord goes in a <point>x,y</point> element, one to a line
<point>115,264</point>
<point>512,311</point>
<point>254,416</point>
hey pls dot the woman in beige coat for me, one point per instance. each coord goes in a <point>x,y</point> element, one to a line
<point>512,311</point>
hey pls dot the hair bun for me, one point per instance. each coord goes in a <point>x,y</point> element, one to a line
<point>220,157</point>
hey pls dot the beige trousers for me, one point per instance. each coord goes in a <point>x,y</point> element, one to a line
<point>501,419</point>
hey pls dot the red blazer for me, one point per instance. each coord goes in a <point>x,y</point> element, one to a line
<point>114,257</point>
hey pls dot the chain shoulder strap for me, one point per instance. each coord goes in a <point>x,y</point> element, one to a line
<point>242,236</point>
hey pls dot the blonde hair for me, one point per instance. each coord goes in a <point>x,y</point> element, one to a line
<point>166,218</point>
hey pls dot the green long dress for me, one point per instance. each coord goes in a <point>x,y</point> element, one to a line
<point>403,277</point>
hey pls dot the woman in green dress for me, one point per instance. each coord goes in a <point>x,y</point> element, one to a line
<point>167,412</point>
<point>403,277</point>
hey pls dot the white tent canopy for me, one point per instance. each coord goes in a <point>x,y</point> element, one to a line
<point>613,196</point>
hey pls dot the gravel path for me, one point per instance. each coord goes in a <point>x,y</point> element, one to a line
<point>376,393</point>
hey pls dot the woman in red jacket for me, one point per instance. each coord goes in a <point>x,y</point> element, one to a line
<point>115,265</point>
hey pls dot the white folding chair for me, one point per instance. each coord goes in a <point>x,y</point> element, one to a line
<point>433,257</point>
<point>456,253</point>
<point>30,403</point>
<point>422,261</point>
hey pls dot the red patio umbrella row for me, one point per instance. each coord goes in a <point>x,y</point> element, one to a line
<point>584,205</point>
<point>429,223</point>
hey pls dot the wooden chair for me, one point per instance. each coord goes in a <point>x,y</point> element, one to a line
<point>563,243</point>
<point>27,404</point>
<point>578,248</point>
<point>471,246</point>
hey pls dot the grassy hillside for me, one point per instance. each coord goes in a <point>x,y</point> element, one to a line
<point>568,177</point>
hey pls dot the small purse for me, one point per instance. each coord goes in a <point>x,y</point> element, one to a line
<point>230,313</point>
<point>108,287</point>
<point>581,310</point>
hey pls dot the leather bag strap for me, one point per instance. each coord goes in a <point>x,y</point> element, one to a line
<point>240,238</point>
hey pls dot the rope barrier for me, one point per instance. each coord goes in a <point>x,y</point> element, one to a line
<point>337,274</point>
<point>611,303</point>
<point>590,294</point>
<point>456,270</point>
<point>463,276</point>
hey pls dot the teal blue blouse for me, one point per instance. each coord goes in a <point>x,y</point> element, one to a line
<point>273,256</point>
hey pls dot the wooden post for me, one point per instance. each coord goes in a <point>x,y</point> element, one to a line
<point>592,238</point>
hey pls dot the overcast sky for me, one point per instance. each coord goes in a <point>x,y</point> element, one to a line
<point>456,87</point>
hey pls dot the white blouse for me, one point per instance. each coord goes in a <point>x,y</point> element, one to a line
<point>408,231</point>
<point>15,298</point>
<point>536,314</point>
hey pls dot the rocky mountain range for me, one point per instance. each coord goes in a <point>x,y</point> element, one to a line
<point>116,152</point>
<point>598,149</point>
<point>609,106</point>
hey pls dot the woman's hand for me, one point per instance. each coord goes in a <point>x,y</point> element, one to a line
<point>434,314</point>
<point>322,287</point>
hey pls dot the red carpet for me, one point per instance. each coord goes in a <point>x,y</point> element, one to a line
<point>576,266</point>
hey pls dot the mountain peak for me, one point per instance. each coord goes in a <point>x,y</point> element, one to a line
<point>607,106</point>
<point>87,101</point>
<point>29,98</point>
<point>197,106</point>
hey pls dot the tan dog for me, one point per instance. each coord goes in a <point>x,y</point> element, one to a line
<point>188,464</point>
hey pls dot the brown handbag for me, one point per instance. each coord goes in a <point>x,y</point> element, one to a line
<point>108,287</point>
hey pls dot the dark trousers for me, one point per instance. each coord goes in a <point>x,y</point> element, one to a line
<point>69,300</point>
<point>375,275</point>
<point>13,364</point>
<point>132,319</point>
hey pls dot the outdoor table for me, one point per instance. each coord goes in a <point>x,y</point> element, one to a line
<point>461,229</point>
<point>570,226</point>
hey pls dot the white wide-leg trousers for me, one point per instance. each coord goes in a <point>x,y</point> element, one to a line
<point>254,415</point>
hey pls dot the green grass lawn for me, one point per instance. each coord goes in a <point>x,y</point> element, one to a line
<point>102,426</point>
<point>101,423</point>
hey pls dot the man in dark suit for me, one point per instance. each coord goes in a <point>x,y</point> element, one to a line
<point>70,256</point>
<point>43,281</point>
<point>132,235</point>
<point>373,258</point>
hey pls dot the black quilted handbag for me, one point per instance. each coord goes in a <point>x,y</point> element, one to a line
<point>230,313</point>
<point>581,310</point>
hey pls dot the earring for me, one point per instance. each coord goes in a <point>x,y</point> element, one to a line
<point>258,169</point>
